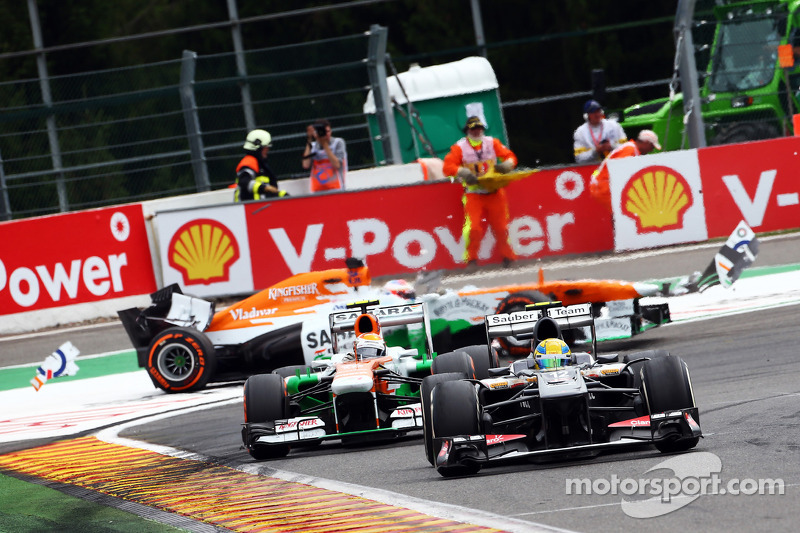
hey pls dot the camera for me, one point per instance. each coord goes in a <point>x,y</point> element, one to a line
<point>321,130</point>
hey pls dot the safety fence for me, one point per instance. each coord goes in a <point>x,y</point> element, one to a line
<point>148,131</point>
<point>175,127</point>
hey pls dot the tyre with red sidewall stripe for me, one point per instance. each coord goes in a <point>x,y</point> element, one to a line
<point>180,360</point>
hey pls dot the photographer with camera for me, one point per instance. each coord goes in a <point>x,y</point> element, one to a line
<point>326,156</point>
<point>597,136</point>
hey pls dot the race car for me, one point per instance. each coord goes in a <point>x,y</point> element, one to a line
<point>367,390</point>
<point>184,344</point>
<point>568,403</point>
<point>617,306</point>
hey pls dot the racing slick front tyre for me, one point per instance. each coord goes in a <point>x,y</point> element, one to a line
<point>517,301</point>
<point>636,367</point>
<point>483,358</point>
<point>666,386</point>
<point>425,390</point>
<point>180,360</point>
<point>455,411</point>
<point>265,400</point>
<point>459,361</point>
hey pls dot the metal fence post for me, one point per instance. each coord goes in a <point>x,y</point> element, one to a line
<point>5,205</point>
<point>193,132</point>
<point>687,69</point>
<point>477,23</point>
<point>47,99</point>
<point>241,66</point>
<point>376,65</point>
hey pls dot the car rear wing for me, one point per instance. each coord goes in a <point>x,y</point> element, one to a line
<point>387,316</point>
<point>522,324</point>
<point>169,306</point>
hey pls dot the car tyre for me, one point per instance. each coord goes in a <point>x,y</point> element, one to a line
<point>636,368</point>
<point>265,400</point>
<point>180,360</point>
<point>744,132</point>
<point>666,386</point>
<point>482,359</point>
<point>426,388</point>
<point>455,410</point>
<point>458,361</point>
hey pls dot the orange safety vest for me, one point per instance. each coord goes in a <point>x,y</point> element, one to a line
<point>598,185</point>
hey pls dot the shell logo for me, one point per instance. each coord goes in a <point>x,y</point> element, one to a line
<point>656,198</point>
<point>203,251</point>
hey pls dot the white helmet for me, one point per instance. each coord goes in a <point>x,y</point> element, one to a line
<point>257,139</point>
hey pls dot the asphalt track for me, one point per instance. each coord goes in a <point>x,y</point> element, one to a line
<point>743,369</point>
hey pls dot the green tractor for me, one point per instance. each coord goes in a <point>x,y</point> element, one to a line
<point>751,87</point>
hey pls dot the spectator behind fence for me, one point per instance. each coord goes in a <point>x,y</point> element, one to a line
<point>597,136</point>
<point>255,180</point>
<point>326,156</point>
<point>645,142</point>
<point>470,157</point>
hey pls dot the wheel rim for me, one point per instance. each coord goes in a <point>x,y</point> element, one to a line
<point>175,362</point>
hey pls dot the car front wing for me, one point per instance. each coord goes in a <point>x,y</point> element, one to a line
<point>305,429</point>
<point>481,449</point>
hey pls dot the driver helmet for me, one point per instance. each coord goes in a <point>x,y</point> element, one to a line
<point>401,288</point>
<point>551,353</point>
<point>369,346</point>
<point>256,140</point>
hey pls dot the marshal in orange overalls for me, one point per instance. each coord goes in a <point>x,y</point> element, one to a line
<point>480,156</point>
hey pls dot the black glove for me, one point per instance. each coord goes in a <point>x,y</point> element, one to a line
<point>467,176</point>
<point>505,166</point>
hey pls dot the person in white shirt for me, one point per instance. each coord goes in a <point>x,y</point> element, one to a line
<point>598,136</point>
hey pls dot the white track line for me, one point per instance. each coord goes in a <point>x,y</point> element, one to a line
<point>439,510</point>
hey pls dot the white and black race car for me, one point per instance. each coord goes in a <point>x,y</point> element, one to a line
<point>593,402</point>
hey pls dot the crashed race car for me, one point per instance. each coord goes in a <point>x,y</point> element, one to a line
<point>557,402</point>
<point>368,389</point>
<point>184,344</point>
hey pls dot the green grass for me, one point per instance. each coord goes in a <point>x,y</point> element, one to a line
<point>118,363</point>
<point>32,507</point>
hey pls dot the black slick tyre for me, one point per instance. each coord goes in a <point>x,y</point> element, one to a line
<point>458,361</point>
<point>180,360</point>
<point>636,368</point>
<point>265,400</point>
<point>426,388</point>
<point>482,359</point>
<point>455,411</point>
<point>665,387</point>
